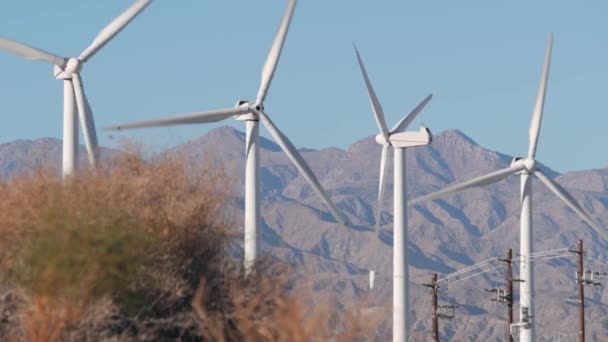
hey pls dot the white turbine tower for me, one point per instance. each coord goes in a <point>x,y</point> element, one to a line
<point>252,112</point>
<point>399,141</point>
<point>68,70</point>
<point>525,167</point>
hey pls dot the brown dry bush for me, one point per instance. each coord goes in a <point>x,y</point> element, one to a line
<point>143,249</point>
<point>266,305</point>
<point>132,231</point>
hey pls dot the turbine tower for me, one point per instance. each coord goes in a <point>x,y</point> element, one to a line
<point>526,167</point>
<point>252,112</point>
<point>68,70</point>
<point>399,141</point>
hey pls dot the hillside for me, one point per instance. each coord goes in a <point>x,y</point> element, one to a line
<point>445,235</point>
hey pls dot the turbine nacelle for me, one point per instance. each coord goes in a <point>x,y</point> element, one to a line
<point>407,139</point>
<point>529,164</point>
<point>242,103</point>
<point>411,139</point>
<point>73,66</point>
<point>250,108</point>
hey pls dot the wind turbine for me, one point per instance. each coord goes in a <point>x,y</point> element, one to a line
<point>525,167</point>
<point>68,70</point>
<point>252,112</point>
<point>399,141</point>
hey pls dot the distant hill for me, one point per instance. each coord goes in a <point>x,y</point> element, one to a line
<point>21,156</point>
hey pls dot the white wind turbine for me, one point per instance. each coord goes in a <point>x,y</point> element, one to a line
<point>252,112</point>
<point>399,141</point>
<point>68,70</point>
<point>525,167</point>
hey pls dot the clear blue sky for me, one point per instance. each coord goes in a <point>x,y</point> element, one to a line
<point>481,59</point>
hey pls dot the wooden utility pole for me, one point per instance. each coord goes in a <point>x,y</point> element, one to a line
<point>581,294</point>
<point>439,311</point>
<point>580,279</point>
<point>592,278</point>
<point>509,297</point>
<point>433,285</point>
<point>506,296</point>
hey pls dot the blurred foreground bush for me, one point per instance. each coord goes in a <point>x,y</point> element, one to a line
<point>141,250</point>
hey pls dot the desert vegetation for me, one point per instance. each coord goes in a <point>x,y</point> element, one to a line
<point>145,249</point>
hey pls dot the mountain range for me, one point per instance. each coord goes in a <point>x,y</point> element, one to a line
<point>445,235</point>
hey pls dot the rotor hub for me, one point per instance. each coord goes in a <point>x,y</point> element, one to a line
<point>73,66</point>
<point>380,139</point>
<point>257,106</point>
<point>530,164</point>
<point>249,109</point>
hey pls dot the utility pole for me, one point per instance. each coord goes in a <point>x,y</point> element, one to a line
<point>581,294</point>
<point>506,296</point>
<point>433,285</point>
<point>580,279</point>
<point>593,278</point>
<point>439,311</point>
<point>510,296</point>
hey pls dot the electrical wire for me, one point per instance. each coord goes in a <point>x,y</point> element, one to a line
<point>467,269</point>
<point>551,257</point>
<point>541,256</point>
<point>474,275</point>
<point>552,251</point>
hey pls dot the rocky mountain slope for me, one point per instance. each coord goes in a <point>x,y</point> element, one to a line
<point>22,156</point>
<point>445,235</point>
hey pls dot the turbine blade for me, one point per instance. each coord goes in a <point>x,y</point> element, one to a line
<point>383,170</point>
<point>537,115</point>
<point>30,53</point>
<point>560,192</point>
<point>192,118</point>
<point>275,52</point>
<point>407,120</point>
<point>87,123</point>
<point>299,162</point>
<point>377,107</point>
<point>113,28</point>
<point>475,182</point>
<point>92,127</point>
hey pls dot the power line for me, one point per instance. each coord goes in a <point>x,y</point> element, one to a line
<point>474,275</point>
<point>466,269</point>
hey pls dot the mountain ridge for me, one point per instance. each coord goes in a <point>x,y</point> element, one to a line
<point>444,235</point>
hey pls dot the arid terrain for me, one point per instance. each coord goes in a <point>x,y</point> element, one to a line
<point>445,235</point>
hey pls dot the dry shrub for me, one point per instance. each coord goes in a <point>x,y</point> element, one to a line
<point>48,318</point>
<point>134,229</point>
<point>142,250</point>
<point>264,306</point>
